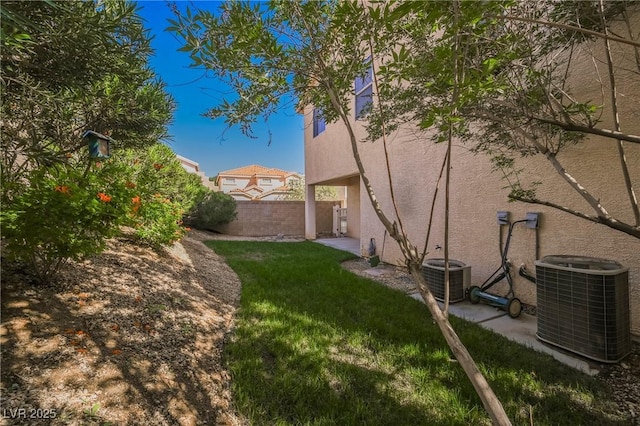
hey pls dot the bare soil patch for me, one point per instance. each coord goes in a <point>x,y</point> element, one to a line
<point>130,337</point>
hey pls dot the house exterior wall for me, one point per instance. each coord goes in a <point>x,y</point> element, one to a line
<point>477,193</point>
<point>353,207</point>
<point>189,168</point>
<point>268,218</point>
<point>327,156</point>
<point>193,167</point>
<point>256,182</point>
<point>225,186</point>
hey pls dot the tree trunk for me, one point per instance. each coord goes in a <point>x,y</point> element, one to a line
<point>489,399</point>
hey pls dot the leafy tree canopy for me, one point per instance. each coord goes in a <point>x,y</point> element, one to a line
<point>72,66</point>
<point>495,76</point>
<point>323,193</point>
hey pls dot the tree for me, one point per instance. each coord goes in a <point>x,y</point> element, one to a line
<point>323,193</point>
<point>515,94</point>
<point>312,52</point>
<point>72,66</point>
<point>217,208</point>
<point>68,67</point>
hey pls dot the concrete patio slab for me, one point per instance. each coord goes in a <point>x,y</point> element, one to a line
<point>352,245</point>
<point>470,312</point>
<point>521,330</point>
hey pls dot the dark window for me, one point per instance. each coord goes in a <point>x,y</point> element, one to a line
<point>364,92</point>
<point>364,101</point>
<point>318,122</point>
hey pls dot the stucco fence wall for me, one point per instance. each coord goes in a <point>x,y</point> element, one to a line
<point>267,218</point>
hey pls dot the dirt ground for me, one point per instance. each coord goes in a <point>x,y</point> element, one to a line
<point>130,337</point>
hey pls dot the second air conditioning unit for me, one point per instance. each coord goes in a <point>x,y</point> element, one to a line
<point>459,278</point>
<point>583,306</point>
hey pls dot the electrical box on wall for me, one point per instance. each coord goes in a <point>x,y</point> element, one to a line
<point>503,218</point>
<point>533,220</point>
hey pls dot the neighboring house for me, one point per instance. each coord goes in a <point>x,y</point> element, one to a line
<point>256,182</point>
<point>477,194</point>
<point>193,167</point>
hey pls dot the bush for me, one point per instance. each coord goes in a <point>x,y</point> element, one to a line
<point>64,213</point>
<point>217,208</point>
<point>68,211</point>
<point>164,192</point>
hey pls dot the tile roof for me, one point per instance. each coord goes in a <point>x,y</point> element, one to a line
<point>252,173</point>
<point>255,169</point>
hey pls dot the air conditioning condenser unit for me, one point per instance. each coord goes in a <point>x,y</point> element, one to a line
<point>583,306</point>
<point>459,278</point>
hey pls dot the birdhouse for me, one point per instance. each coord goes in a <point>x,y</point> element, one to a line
<point>99,145</point>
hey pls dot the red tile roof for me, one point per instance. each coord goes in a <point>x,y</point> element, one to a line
<point>255,169</point>
<point>252,173</point>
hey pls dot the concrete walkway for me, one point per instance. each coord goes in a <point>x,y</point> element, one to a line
<point>522,329</point>
<point>352,245</point>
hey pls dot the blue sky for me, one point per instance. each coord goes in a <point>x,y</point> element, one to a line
<point>205,140</point>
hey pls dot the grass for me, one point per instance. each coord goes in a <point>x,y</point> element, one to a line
<point>318,345</point>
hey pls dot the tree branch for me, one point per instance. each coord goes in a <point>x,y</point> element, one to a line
<point>634,231</point>
<point>586,195</point>
<point>567,27</point>
<point>616,121</point>
<point>572,127</point>
<point>392,194</point>
<point>433,205</point>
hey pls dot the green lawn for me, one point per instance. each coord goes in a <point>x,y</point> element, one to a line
<point>315,344</point>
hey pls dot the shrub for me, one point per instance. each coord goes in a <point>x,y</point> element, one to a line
<point>217,208</point>
<point>68,211</point>
<point>164,192</point>
<point>157,170</point>
<point>64,213</point>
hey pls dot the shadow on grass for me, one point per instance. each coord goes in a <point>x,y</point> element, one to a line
<point>316,344</point>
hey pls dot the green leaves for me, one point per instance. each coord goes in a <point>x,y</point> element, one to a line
<point>489,65</point>
<point>69,211</point>
<point>76,66</point>
<point>215,209</point>
<point>276,53</point>
<point>62,214</point>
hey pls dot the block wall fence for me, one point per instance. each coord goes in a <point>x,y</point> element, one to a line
<point>268,218</point>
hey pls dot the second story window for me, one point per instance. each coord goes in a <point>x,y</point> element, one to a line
<point>364,92</point>
<point>318,122</point>
<point>230,181</point>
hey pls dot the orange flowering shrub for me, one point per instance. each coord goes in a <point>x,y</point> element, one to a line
<point>163,192</point>
<point>63,189</point>
<point>104,197</point>
<point>78,210</point>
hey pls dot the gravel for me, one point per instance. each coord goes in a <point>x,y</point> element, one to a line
<point>130,337</point>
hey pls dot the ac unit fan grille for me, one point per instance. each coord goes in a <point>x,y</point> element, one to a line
<point>584,312</point>
<point>459,274</point>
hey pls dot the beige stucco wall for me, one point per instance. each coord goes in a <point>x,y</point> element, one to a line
<point>268,218</point>
<point>238,183</point>
<point>477,193</point>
